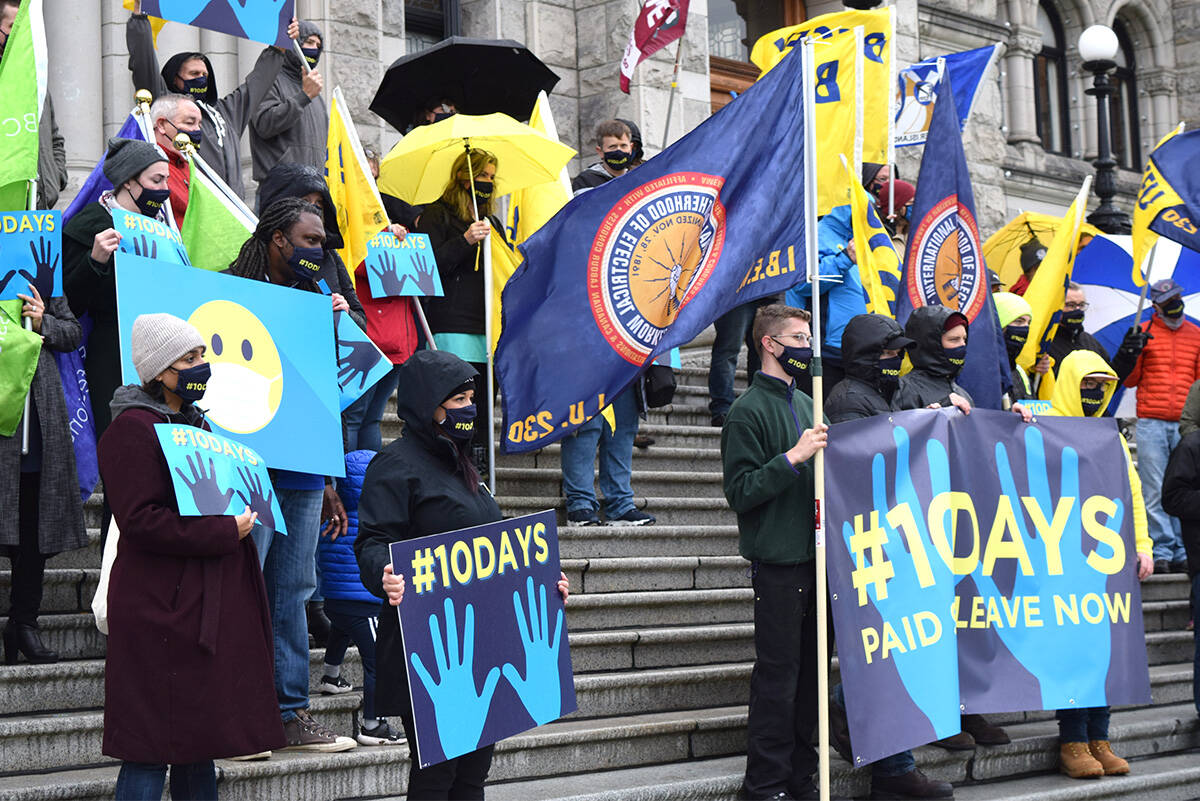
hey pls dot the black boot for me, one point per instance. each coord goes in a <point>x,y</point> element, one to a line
<point>318,624</point>
<point>913,784</point>
<point>25,639</point>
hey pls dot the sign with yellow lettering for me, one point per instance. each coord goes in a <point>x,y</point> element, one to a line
<point>30,253</point>
<point>987,565</point>
<point>482,604</point>
<point>149,237</point>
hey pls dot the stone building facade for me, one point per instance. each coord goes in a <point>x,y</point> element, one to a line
<point>1030,139</point>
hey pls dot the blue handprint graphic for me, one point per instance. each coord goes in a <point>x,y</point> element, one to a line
<point>460,711</point>
<point>1061,658</point>
<point>259,18</point>
<point>178,10</point>
<point>905,576</point>
<point>540,689</point>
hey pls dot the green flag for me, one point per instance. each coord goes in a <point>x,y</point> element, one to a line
<point>19,350</point>
<point>215,227</point>
<point>22,95</point>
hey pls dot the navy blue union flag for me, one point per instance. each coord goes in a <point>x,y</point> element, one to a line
<point>642,264</point>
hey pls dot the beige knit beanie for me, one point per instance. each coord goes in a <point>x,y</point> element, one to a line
<point>158,340</point>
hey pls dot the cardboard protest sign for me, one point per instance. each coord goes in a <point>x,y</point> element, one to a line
<point>360,362</point>
<point>215,475</point>
<point>30,253</point>
<point>273,385</point>
<point>402,267</point>
<point>263,21</point>
<point>146,236</point>
<point>482,603</point>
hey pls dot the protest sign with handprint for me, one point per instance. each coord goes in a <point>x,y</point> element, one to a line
<point>147,237</point>
<point>402,267</point>
<point>30,253</point>
<point>360,362</point>
<point>263,21</point>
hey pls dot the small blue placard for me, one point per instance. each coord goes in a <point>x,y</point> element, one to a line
<point>360,362</point>
<point>402,266</point>
<point>216,475</point>
<point>30,253</point>
<point>148,237</point>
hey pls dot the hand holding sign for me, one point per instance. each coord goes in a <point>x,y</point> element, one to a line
<point>206,492</point>
<point>31,248</point>
<point>459,710</point>
<point>539,689</point>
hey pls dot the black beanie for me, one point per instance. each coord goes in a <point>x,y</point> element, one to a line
<point>126,158</point>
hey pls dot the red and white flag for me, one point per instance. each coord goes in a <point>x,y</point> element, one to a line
<point>659,23</point>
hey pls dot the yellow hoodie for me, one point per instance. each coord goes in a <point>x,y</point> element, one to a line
<point>1065,402</point>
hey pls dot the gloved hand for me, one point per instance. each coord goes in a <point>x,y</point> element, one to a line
<point>1134,342</point>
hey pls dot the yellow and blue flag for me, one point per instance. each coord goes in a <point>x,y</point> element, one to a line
<point>878,261</point>
<point>642,264</point>
<point>944,264</point>
<point>359,206</point>
<point>1168,201</point>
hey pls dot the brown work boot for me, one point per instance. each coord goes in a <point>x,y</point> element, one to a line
<point>963,741</point>
<point>1113,764</point>
<point>983,732</point>
<point>1075,760</point>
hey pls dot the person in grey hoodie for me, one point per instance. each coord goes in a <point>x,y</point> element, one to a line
<point>291,124</point>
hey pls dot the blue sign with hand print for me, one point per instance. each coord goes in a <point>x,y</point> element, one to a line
<point>263,21</point>
<point>485,638</point>
<point>30,253</point>
<point>148,237</point>
<point>402,266</point>
<point>360,362</point>
<point>988,565</point>
<point>215,475</point>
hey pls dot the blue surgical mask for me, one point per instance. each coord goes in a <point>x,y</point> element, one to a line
<point>306,263</point>
<point>460,423</point>
<point>193,381</point>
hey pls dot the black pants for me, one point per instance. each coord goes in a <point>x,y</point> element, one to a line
<point>780,756</point>
<point>459,778</point>
<point>483,423</point>
<point>28,563</point>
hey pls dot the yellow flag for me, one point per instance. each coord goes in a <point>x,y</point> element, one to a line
<point>504,264</point>
<point>1155,195</point>
<point>878,262</point>
<point>1046,290</point>
<point>531,208</point>
<point>360,209</point>
<point>156,24</point>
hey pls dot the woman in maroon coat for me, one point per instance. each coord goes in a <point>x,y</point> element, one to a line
<point>189,672</point>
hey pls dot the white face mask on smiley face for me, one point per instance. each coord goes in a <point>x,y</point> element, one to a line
<point>241,400</point>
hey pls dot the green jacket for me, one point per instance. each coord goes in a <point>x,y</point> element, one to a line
<point>773,500</point>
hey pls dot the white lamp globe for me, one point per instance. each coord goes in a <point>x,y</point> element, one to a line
<point>1098,43</point>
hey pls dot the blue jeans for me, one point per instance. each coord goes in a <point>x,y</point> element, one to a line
<point>1196,637</point>
<point>1155,441</point>
<point>289,569</point>
<point>143,781</point>
<point>732,328</point>
<point>1081,725</point>
<point>616,459</point>
<point>894,765</point>
<point>362,418</point>
<point>358,621</point>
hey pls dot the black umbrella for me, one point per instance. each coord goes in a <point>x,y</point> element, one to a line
<point>481,76</point>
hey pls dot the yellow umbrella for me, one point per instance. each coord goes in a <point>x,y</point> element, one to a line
<point>418,168</point>
<point>1002,250</point>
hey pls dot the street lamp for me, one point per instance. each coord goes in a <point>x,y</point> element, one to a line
<point>1098,48</point>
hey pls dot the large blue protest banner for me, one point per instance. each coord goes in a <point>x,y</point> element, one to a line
<point>273,382</point>
<point>402,266</point>
<point>918,84</point>
<point>482,604</point>
<point>644,263</point>
<point>146,236</point>
<point>987,565</point>
<point>215,475</point>
<point>263,21</point>
<point>30,253</point>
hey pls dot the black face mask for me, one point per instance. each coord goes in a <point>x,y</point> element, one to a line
<point>956,356</point>
<point>306,263</point>
<point>151,201</point>
<point>460,423</point>
<point>1092,400</point>
<point>196,88</point>
<point>483,189</point>
<point>1015,337</point>
<point>312,55</point>
<point>889,373</point>
<point>617,159</point>
<point>795,361</point>
<point>1174,309</point>
<point>195,135</point>
<point>1072,320</point>
<point>193,381</point>
<point>438,116</point>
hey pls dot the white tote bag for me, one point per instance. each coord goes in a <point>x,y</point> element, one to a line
<point>100,599</point>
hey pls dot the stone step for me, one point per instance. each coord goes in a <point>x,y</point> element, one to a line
<point>654,457</point>
<point>697,434</point>
<point>1166,587</point>
<point>624,610</point>
<point>542,481</point>
<point>64,590</point>
<point>634,574</point>
<point>668,511</point>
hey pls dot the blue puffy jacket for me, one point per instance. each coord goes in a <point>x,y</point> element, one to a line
<point>841,283</point>
<point>339,567</point>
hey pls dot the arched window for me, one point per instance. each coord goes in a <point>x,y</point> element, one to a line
<point>1050,83</point>
<point>1126,144</point>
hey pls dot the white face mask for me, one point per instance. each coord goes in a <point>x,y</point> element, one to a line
<point>239,399</point>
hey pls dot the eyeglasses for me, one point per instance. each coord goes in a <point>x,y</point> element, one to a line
<point>803,339</point>
<point>1075,306</point>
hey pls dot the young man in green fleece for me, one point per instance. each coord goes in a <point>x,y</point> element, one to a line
<point>767,446</point>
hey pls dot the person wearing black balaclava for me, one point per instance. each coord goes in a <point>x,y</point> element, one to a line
<point>637,155</point>
<point>614,145</point>
<point>939,335</point>
<point>223,119</point>
<point>1071,337</point>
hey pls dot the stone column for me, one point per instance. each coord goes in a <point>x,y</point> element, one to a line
<point>1160,86</point>
<point>1023,44</point>
<point>74,45</point>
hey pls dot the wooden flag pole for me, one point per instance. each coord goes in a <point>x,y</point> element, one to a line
<point>30,203</point>
<point>666,140</point>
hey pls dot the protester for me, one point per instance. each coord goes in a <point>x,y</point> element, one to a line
<point>1015,316</point>
<point>994,283</point>
<point>767,446</point>
<point>1084,387</point>
<point>637,155</point>
<point>288,249</point>
<point>893,204</point>
<point>290,124</point>
<point>1071,337</point>
<point>353,611</point>
<point>614,145</point>
<point>1032,253</point>
<point>874,346</point>
<point>223,120</point>
<point>730,330</point>
<point>138,173</point>
<point>875,176</point>
<point>187,676</point>
<point>938,355</point>
<point>1165,371</point>
<point>458,224</point>
<point>1189,417</point>
<point>1181,498</point>
<point>39,489</point>
<point>172,115</point>
<point>435,109</point>
<point>423,483</point>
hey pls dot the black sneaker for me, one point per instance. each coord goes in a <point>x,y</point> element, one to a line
<point>333,685</point>
<point>1179,566</point>
<point>634,517</point>
<point>583,517</point>
<point>718,421</point>
<point>379,734</point>
<point>1161,566</point>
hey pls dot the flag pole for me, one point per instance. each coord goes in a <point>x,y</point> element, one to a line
<point>814,277</point>
<point>487,326</point>
<point>671,97</point>
<point>1137,318</point>
<point>142,99</point>
<point>30,203</point>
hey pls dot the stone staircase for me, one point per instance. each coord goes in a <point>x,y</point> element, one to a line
<point>662,646</point>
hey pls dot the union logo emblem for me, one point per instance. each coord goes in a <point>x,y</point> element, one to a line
<point>945,246</point>
<point>653,253</point>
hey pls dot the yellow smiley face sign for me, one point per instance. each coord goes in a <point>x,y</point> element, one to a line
<point>247,376</point>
